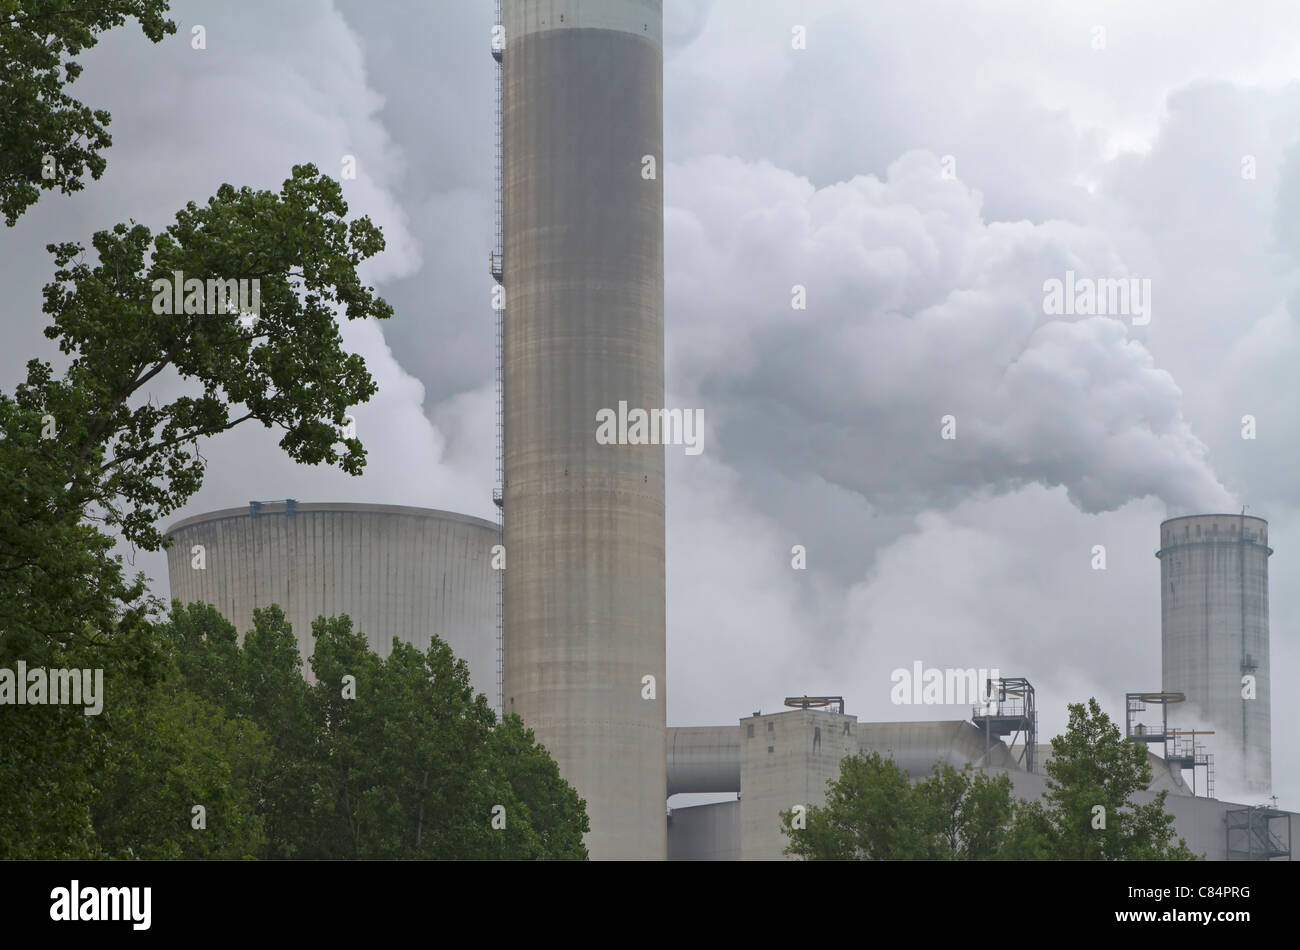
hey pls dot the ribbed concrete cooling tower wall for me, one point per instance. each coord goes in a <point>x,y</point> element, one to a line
<point>397,572</point>
<point>583,331</point>
<point>1214,632</point>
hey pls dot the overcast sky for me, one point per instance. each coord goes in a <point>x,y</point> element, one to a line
<point>1113,154</point>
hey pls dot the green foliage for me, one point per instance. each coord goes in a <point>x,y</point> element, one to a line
<point>416,766</point>
<point>53,758</point>
<point>556,815</point>
<point>873,811</point>
<point>416,763</point>
<point>192,716</point>
<point>168,751</point>
<point>39,40</point>
<point>411,768</point>
<point>407,763</point>
<point>47,783</point>
<point>96,445</point>
<point>261,682</point>
<point>122,783</point>
<point>1030,836</point>
<point>1093,765</point>
<point>964,813</point>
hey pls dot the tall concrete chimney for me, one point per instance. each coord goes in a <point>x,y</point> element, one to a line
<point>1214,637</point>
<point>582,114</point>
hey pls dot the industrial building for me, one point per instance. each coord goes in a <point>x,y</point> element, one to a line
<point>396,571</point>
<point>571,635</point>
<point>412,572</point>
<point>783,759</point>
<point>776,761</point>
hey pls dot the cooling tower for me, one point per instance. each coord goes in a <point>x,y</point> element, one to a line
<point>582,116</point>
<point>397,572</point>
<point>1214,635</point>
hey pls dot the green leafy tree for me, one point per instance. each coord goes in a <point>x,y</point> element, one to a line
<point>47,138</point>
<point>1093,765</point>
<point>556,814</point>
<point>870,814</point>
<point>379,758</point>
<point>261,681</point>
<point>96,446</point>
<point>874,812</point>
<point>349,738</point>
<point>962,815</point>
<point>169,751</point>
<point>123,783</point>
<point>47,783</point>
<point>53,758</point>
<point>415,766</point>
<point>91,456</point>
<point>278,699</point>
<point>1030,836</point>
<point>207,653</point>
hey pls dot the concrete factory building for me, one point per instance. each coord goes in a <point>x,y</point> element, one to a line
<point>773,762</point>
<point>396,571</point>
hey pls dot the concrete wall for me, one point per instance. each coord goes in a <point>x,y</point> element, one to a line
<point>1214,630</point>
<point>583,331</point>
<point>786,759</point>
<point>705,833</point>
<point>396,571</point>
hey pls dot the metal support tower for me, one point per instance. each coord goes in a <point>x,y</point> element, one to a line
<point>1180,747</point>
<point>1251,835</point>
<point>1135,703</point>
<point>1011,712</point>
<point>1184,751</point>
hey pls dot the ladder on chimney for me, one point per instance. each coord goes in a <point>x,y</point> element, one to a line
<point>497,267</point>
